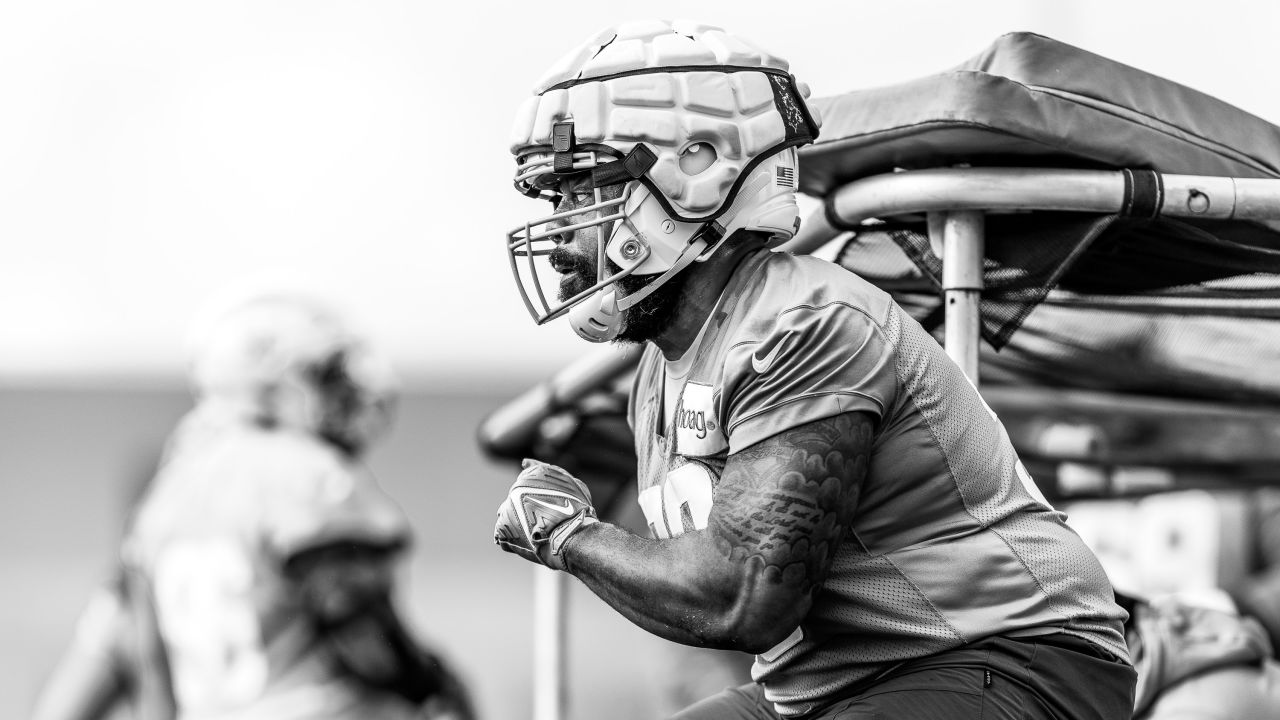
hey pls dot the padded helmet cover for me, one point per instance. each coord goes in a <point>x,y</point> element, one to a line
<point>671,86</point>
<point>286,358</point>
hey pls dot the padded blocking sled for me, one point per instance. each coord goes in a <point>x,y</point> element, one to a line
<point>1028,100</point>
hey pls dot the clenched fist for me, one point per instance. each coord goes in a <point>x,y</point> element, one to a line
<point>544,507</point>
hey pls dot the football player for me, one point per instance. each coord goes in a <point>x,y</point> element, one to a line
<point>824,489</point>
<point>258,569</point>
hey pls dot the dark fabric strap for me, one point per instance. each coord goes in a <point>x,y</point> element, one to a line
<point>562,146</point>
<point>1143,193</point>
<point>632,167</point>
<point>833,216</point>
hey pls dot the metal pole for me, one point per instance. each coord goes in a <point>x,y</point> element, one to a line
<point>962,252</point>
<point>999,189</point>
<point>550,605</point>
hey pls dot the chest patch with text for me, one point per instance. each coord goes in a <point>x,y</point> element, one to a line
<point>697,430</point>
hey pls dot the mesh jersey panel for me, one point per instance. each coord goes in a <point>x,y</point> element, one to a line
<point>948,544</point>
<point>978,454</point>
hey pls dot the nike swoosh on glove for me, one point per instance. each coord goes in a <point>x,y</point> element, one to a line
<point>545,506</point>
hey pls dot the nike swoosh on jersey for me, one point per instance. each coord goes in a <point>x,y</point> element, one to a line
<point>762,364</point>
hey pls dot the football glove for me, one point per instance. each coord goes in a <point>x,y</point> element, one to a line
<point>544,508</point>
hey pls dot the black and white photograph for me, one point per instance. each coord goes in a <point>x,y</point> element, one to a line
<point>684,360</point>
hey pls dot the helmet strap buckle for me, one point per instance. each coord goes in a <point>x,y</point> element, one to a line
<point>632,167</point>
<point>562,142</point>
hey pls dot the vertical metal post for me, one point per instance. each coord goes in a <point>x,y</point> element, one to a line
<point>550,605</point>
<point>962,251</point>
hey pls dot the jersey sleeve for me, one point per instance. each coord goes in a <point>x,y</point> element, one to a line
<point>812,363</point>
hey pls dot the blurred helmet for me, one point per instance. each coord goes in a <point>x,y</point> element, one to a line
<point>697,126</point>
<point>282,359</point>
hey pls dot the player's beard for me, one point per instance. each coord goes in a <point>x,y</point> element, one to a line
<point>646,320</point>
<point>652,316</point>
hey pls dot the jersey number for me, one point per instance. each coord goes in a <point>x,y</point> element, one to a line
<point>681,503</point>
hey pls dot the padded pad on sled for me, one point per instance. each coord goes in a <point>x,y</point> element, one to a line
<point>1028,100</point>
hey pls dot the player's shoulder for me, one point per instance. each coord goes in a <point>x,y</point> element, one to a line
<point>279,452</point>
<point>784,283</point>
<point>263,463</point>
<point>283,447</point>
<point>787,293</point>
<point>309,493</point>
<point>298,463</point>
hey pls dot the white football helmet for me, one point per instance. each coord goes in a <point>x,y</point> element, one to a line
<point>698,126</point>
<point>289,360</point>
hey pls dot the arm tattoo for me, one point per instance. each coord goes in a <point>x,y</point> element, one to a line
<point>778,513</point>
<point>783,505</point>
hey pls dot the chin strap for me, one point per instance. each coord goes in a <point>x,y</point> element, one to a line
<point>694,250</point>
<point>600,319</point>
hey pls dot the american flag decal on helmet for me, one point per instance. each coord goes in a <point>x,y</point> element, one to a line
<point>786,176</point>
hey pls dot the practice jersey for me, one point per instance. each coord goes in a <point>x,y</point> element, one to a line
<point>950,541</point>
<point>230,504</point>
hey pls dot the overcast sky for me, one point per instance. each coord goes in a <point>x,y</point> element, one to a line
<point>153,151</point>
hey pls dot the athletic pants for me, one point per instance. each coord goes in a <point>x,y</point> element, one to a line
<point>1057,677</point>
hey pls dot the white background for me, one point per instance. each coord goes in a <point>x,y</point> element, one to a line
<point>153,151</point>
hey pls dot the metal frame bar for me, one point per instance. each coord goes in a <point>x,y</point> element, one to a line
<point>1022,189</point>
<point>963,242</point>
<point>550,654</point>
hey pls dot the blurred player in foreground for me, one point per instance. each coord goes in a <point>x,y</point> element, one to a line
<point>257,573</point>
<point>824,488</point>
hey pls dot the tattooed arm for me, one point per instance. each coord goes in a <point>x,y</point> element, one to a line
<point>744,582</point>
